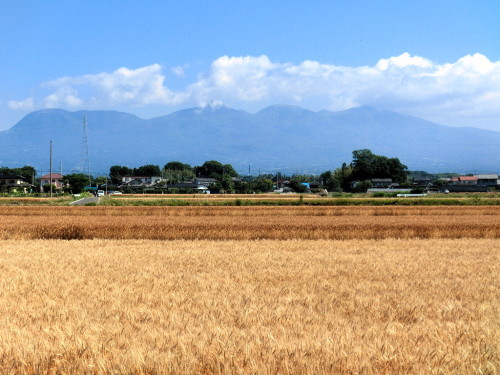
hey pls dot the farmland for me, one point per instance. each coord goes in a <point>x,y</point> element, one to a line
<point>224,223</point>
<point>250,290</point>
<point>197,200</point>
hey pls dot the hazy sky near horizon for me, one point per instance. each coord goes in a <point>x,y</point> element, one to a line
<point>438,60</point>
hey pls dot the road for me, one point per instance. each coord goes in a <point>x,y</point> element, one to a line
<point>84,201</point>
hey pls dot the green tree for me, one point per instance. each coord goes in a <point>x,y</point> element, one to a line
<point>330,181</point>
<point>215,169</point>
<point>261,185</point>
<point>116,172</point>
<point>177,166</point>
<point>363,186</point>
<point>296,184</point>
<point>242,187</point>
<point>343,175</point>
<point>366,165</point>
<point>75,182</point>
<point>147,170</point>
<point>27,172</point>
<point>175,171</point>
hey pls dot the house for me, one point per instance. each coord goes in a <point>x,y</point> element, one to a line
<point>465,188</point>
<point>467,180</point>
<point>56,180</point>
<point>205,181</point>
<point>282,183</point>
<point>422,181</point>
<point>196,188</point>
<point>140,180</point>
<point>488,180</point>
<point>13,182</point>
<point>381,182</point>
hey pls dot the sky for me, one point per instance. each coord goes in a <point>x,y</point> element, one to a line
<point>437,60</point>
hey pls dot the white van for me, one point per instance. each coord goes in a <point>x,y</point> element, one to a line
<point>100,193</point>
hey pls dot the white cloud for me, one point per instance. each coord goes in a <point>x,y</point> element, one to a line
<point>136,87</point>
<point>180,70</point>
<point>464,92</point>
<point>403,61</point>
<point>64,96</point>
<point>23,105</point>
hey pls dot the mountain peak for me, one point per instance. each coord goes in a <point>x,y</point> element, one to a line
<point>363,109</point>
<point>284,109</point>
<point>214,106</point>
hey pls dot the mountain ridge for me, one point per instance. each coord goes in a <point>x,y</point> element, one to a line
<point>276,137</point>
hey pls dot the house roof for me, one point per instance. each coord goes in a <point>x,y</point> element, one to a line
<point>11,177</point>
<point>467,178</point>
<point>54,175</point>
<point>487,177</point>
<point>183,185</point>
<point>381,179</point>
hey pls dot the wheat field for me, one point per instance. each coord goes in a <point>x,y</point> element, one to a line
<point>249,307</point>
<point>249,290</point>
<point>248,223</point>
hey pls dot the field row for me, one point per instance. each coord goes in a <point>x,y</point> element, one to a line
<point>492,199</point>
<point>233,223</point>
<point>244,211</point>
<point>249,307</point>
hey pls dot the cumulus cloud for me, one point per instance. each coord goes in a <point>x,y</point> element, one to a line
<point>464,92</point>
<point>23,105</point>
<point>136,87</point>
<point>405,82</point>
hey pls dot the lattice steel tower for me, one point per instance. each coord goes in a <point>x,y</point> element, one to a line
<point>84,161</point>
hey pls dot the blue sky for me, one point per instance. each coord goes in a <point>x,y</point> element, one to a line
<point>438,60</point>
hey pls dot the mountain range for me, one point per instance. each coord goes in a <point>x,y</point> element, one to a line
<point>278,138</point>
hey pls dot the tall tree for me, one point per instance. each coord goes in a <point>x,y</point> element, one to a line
<point>366,165</point>
<point>147,170</point>
<point>76,182</point>
<point>27,172</point>
<point>177,166</point>
<point>116,172</point>
<point>215,169</point>
<point>175,171</point>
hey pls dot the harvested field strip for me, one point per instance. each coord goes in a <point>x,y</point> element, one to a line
<point>296,201</point>
<point>250,307</point>
<point>276,212</point>
<point>223,223</point>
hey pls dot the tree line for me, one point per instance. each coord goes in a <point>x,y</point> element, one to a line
<point>355,176</point>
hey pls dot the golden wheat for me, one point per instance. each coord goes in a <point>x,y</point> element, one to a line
<point>223,223</point>
<point>249,307</point>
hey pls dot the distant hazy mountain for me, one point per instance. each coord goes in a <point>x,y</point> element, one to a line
<point>275,138</point>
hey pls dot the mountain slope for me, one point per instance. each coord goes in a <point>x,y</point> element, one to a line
<point>274,138</point>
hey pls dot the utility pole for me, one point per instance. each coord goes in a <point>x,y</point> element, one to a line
<point>85,163</point>
<point>50,171</point>
<point>41,174</point>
